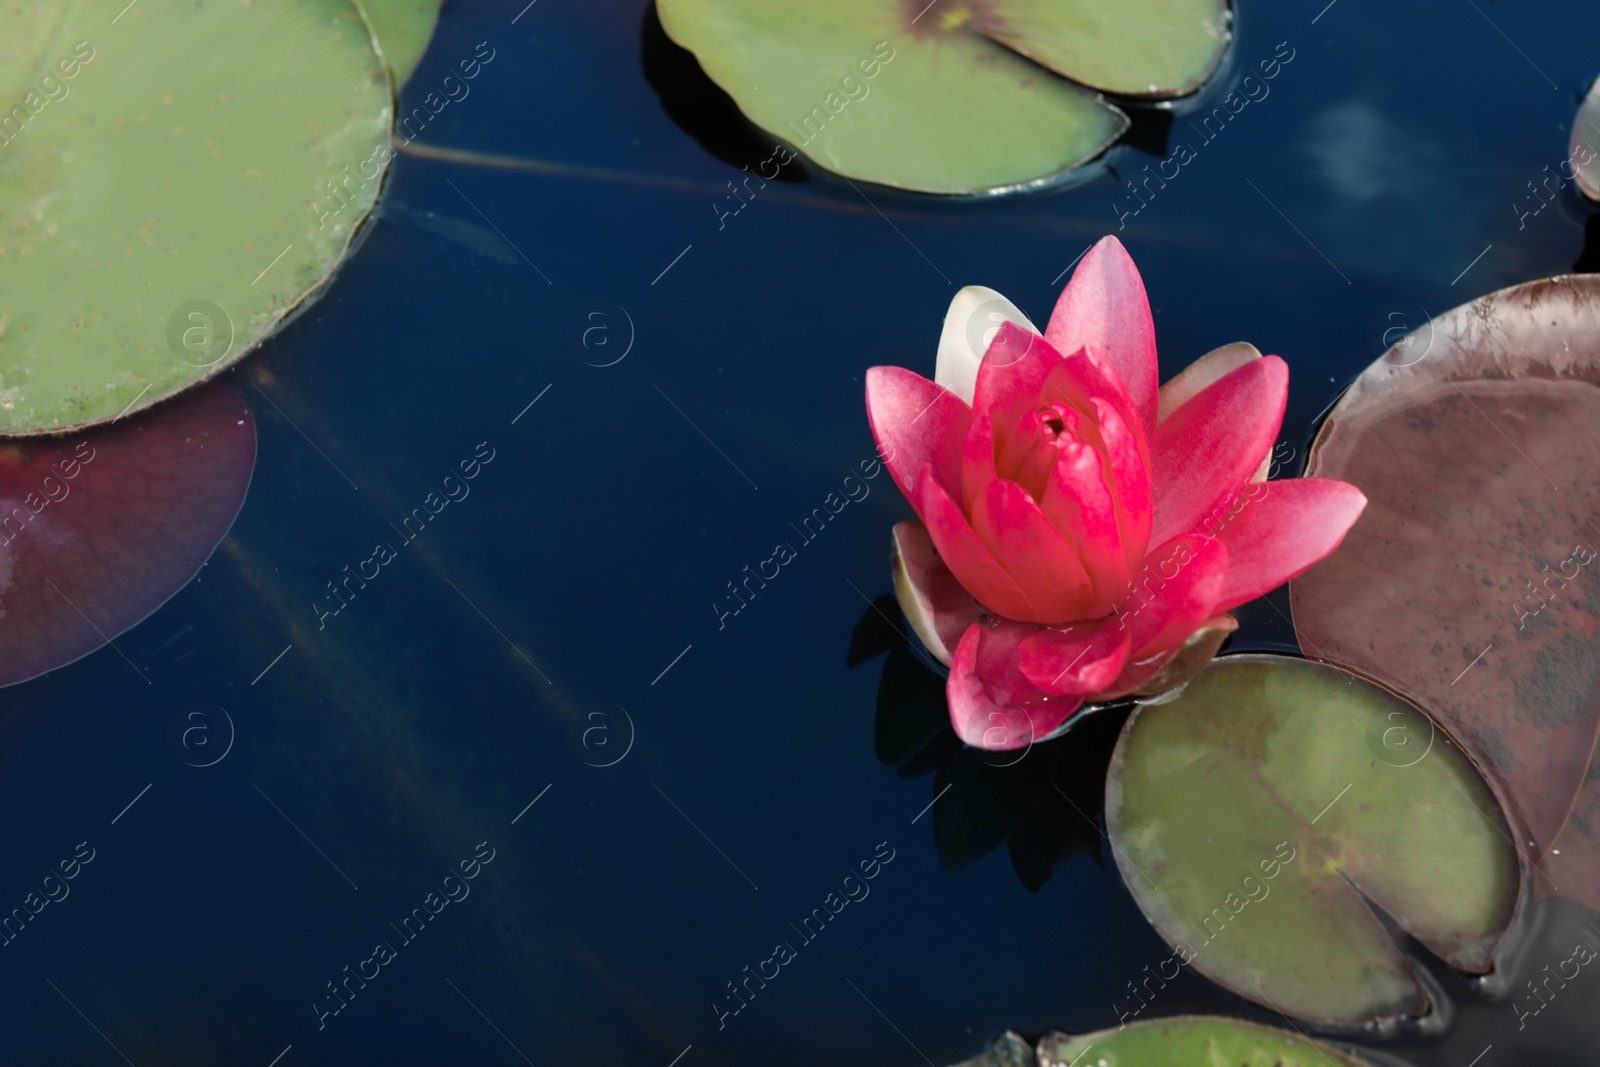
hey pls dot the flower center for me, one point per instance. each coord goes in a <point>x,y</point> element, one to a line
<point>1057,421</point>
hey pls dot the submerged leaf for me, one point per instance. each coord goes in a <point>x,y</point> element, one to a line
<point>99,530</point>
<point>176,186</point>
<point>1470,583</point>
<point>1255,820</point>
<point>873,90</point>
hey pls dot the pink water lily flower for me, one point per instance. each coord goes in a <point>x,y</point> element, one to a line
<point>1084,533</point>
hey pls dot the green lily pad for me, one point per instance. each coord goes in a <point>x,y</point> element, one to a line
<point>1187,1040</point>
<point>1181,1041</point>
<point>175,181</point>
<point>1258,817</point>
<point>1135,48</point>
<point>403,29</point>
<point>872,90</point>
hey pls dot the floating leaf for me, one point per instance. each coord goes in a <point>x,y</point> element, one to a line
<point>172,185</point>
<point>1257,815</point>
<point>402,29</point>
<point>1138,48</point>
<point>1467,585</point>
<point>1181,1041</point>
<point>873,90</point>
<point>99,530</point>
<point>1584,153</point>
<point>1187,1040</point>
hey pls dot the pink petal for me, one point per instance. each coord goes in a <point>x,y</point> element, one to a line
<point>1043,562</point>
<point>1287,527</point>
<point>1075,660</point>
<point>1021,454</point>
<point>992,705</point>
<point>1079,506</point>
<point>1175,667</point>
<point>1104,307</point>
<point>935,604</point>
<point>916,424</point>
<point>968,558</point>
<point>1129,469</point>
<point>977,459</point>
<point>1206,452</point>
<point>1013,371</point>
<point>1201,373</point>
<point>1175,593</point>
<point>1215,364</point>
<point>1022,370</point>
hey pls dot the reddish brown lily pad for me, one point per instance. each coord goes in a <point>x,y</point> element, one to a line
<point>1472,582</point>
<point>99,529</point>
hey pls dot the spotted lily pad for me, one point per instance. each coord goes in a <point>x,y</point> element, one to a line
<point>948,96</point>
<point>1181,1041</point>
<point>1470,584</point>
<point>1257,821</point>
<point>174,181</point>
<point>98,529</point>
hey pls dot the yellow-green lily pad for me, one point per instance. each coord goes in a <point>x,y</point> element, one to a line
<point>403,29</point>
<point>1181,1041</point>
<point>1261,818</point>
<point>174,181</point>
<point>1137,48</point>
<point>934,101</point>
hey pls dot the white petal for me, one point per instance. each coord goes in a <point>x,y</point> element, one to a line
<point>934,603</point>
<point>975,314</point>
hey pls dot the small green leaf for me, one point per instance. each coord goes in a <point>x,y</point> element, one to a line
<point>1259,816</point>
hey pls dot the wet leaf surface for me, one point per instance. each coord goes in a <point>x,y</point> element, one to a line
<point>1257,820</point>
<point>182,180</point>
<point>99,529</point>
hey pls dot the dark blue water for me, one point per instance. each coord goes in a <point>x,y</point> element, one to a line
<point>563,615</point>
